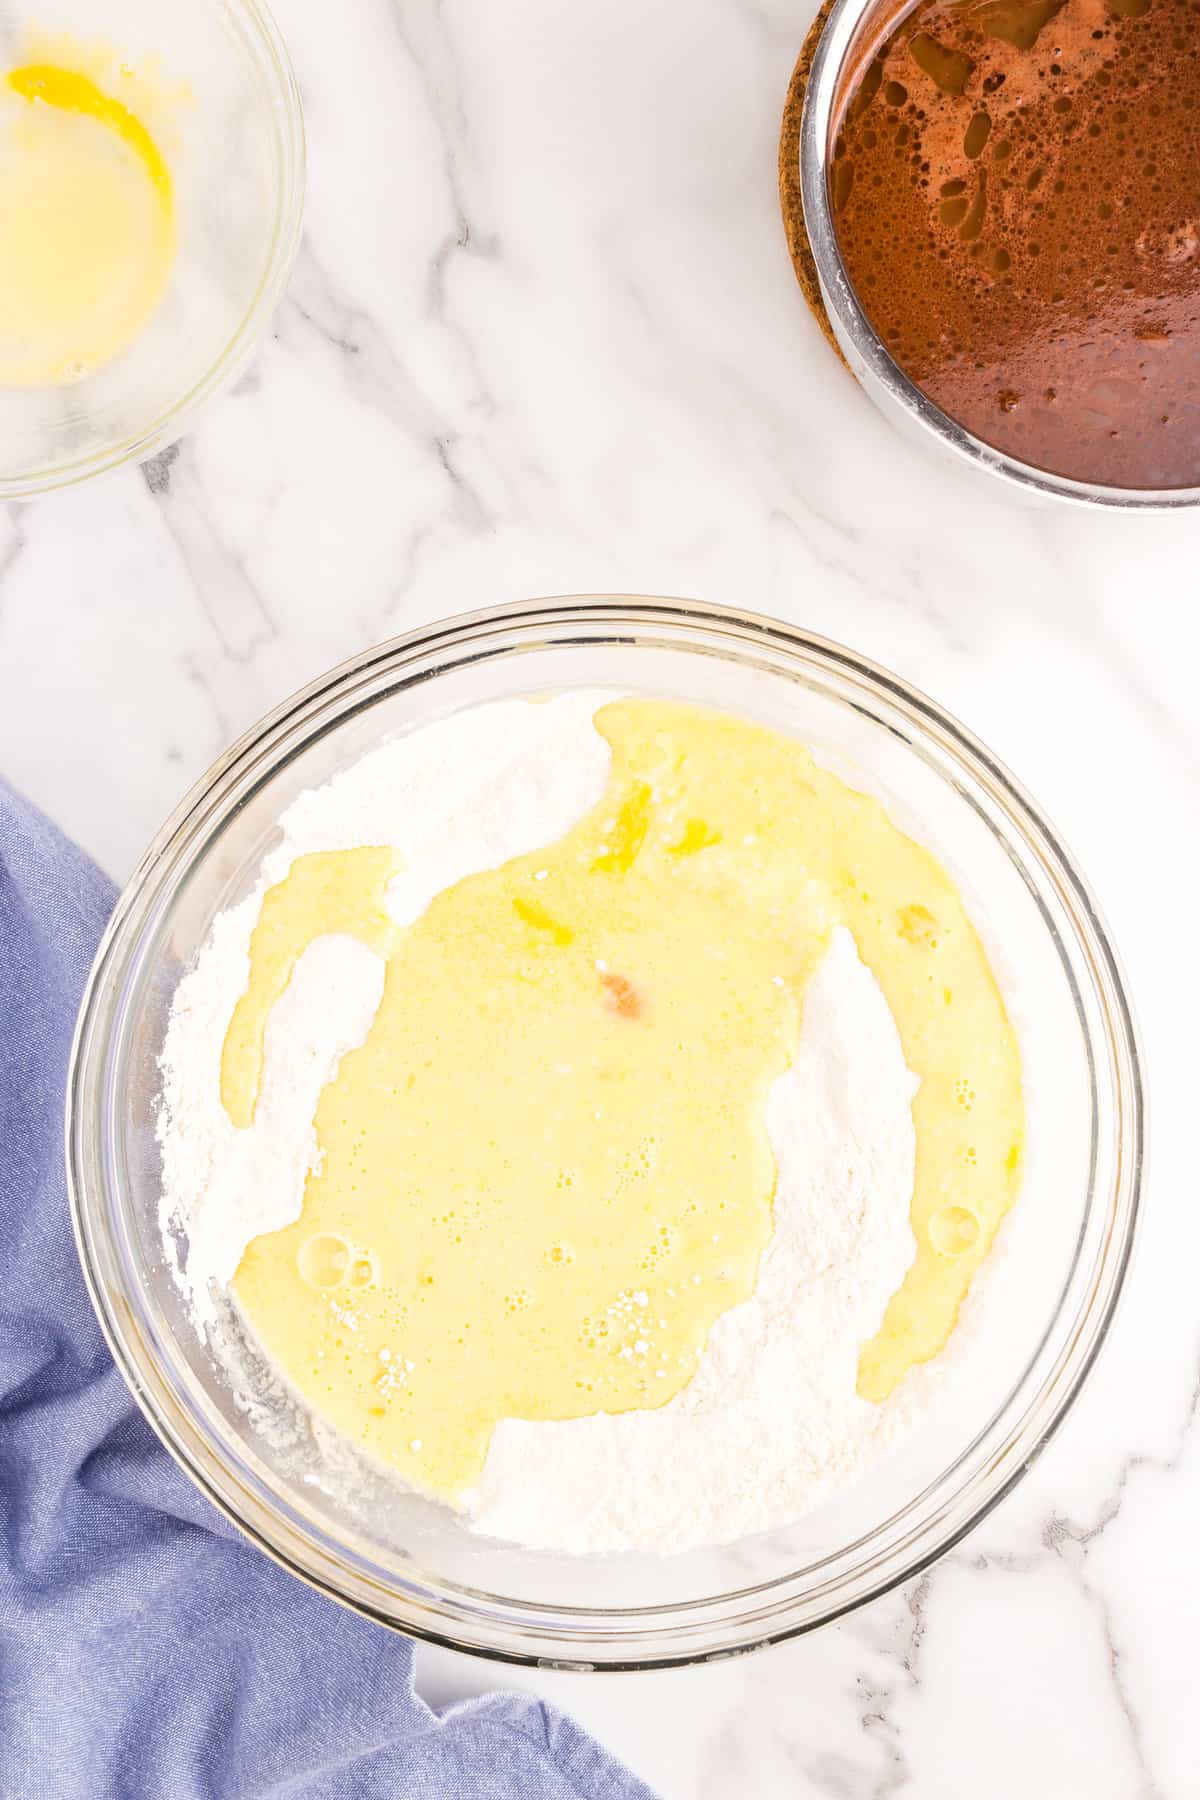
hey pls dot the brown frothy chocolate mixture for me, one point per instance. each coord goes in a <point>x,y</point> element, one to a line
<point>1016,188</point>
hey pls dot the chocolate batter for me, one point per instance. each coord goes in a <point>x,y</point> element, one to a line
<point>1016,187</point>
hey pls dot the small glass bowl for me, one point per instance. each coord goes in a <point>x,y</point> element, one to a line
<point>1061,1258</point>
<point>852,23</point>
<point>232,134</point>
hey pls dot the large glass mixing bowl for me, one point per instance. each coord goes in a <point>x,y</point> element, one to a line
<point>1062,1256</point>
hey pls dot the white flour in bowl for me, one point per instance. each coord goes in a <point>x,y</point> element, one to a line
<point>771,1423</point>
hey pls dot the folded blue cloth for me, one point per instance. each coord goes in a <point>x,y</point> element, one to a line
<point>145,1649</point>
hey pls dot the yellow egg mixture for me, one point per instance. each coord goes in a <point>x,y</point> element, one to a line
<point>87,218</point>
<point>546,1172</point>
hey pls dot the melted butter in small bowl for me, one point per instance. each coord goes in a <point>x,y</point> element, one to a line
<point>87,213</point>
<point>151,187</point>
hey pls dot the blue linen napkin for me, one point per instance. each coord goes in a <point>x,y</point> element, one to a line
<point>146,1651</point>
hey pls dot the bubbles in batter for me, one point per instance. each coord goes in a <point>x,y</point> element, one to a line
<point>546,1171</point>
<point>1018,206</point>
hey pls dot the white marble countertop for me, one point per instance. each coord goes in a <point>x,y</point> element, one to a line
<point>543,337</point>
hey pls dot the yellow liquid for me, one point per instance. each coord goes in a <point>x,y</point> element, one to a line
<point>87,226</point>
<point>546,1172</point>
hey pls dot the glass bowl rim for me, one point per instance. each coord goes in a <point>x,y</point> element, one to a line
<point>674,1633</point>
<point>866,354</point>
<point>159,433</point>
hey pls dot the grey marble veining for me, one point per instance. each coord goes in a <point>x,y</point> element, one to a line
<point>543,337</point>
